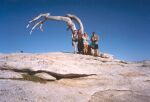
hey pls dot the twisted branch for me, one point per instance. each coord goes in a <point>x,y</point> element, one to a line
<point>46,17</point>
<point>77,19</point>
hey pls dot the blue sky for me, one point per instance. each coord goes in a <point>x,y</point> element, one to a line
<point>123,26</point>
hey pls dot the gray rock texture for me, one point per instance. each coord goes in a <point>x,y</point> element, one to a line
<point>67,77</point>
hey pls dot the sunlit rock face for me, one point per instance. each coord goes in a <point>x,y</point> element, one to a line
<point>67,77</point>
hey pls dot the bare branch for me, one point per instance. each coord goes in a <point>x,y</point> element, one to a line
<point>39,23</point>
<point>36,18</point>
<point>77,20</point>
<point>41,27</point>
<point>39,16</point>
<point>47,16</point>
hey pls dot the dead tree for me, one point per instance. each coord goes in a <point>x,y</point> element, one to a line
<point>41,18</point>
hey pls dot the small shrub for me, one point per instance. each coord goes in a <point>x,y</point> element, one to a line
<point>33,78</point>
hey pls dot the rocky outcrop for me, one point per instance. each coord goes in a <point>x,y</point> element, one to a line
<point>67,77</point>
<point>108,56</point>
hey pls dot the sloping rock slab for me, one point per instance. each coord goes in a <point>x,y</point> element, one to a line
<point>119,96</point>
<point>45,76</point>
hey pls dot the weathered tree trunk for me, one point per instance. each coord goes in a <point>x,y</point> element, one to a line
<point>47,16</point>
<point>77,20</point>
<point>40,19</point>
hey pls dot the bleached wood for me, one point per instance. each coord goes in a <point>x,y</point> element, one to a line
<point>77,19</point>
<point>46,17</point>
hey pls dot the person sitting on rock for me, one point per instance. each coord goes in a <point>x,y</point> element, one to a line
<point>85,43</point>
<point>94,43</point>
<point>75,40</point>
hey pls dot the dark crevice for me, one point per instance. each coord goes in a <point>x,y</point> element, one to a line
<point>123,62</point>
<point>56,75</point>
<point>40,80</point>
<point>146,80</point>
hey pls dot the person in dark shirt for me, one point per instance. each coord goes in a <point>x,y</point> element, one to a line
<point>80,42</point>
<point>94,43</point>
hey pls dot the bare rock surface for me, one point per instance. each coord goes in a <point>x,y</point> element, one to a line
<point>45,76</point>
<point>72,78</point>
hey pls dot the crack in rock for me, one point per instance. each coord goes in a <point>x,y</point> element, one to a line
<point>58,76</point>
